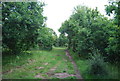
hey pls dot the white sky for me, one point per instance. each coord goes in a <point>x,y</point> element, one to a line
<point>57,11</point>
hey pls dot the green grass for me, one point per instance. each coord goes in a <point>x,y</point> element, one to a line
<point>83,65</point>
<point>25,66</point>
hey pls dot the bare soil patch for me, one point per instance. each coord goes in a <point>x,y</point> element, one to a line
<point>45,63</point>
<point>63,75</point>
<point>39,67</point>
<point>39,76</point>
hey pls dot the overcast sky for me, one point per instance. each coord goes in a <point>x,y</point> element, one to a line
<point>57,11</point>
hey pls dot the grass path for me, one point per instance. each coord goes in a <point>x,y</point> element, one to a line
<point>39,65</point>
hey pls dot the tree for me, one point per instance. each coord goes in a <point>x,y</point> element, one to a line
<point>87,29</point>
<point>114,40</point>
<point>46,38</point>
<point>21,21</point>
<point>62,40</point>
<point>114,8</point>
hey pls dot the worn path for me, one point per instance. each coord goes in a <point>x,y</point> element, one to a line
<point>74,64</point>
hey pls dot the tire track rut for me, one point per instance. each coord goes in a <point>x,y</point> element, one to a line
<point>74,64</point>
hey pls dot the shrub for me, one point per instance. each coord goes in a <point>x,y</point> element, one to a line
<point>97,65</point>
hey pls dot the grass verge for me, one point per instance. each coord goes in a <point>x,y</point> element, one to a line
<point>83,65</point>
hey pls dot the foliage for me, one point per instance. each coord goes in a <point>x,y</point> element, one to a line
<point>87,28</point>
<point>47,37</point>
<point>62,40</point>
<point>21,21</point>
<point>97,65</point>
<point>114,8</point>
<point>83,29</point>
<point>114,39</point>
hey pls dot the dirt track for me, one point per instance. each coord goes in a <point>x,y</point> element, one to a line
<point>74,64</point>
